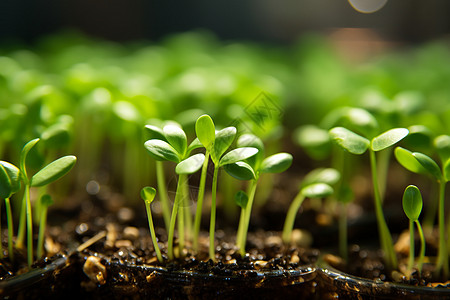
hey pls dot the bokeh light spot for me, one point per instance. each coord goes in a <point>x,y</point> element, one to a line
<point>367,6</point>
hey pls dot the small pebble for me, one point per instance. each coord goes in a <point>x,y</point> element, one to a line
<point>95,270</point>
<point>111,236</point>
<point>131,233</point>
<point>123,243</point>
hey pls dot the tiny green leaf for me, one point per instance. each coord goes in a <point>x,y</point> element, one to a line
<point>205,130</point>
<point>388,138</point>
<point>176,138</point>
<point>53,171</point>
<point>14,176</point>
<point>240,170</point>
<point>442,144</point>
<point>237,154</point>
<point>241,199</point>
<point>446,169</point>
<point>276,163</point>
<point>317,190</point>
<point>23,155</point>
<point>349,140</point>
<point>329,176</point>
<point>224,139</point>
<point>194,145</point>
<point>190,165</point>
<point>5,184</point>
<point>155,132</point>
<point>148,194</point>
<point>251,140</point>
<point>46,200</point>
<point>429,165</point>
<point>408,161</point>
<point>161,150</point>
<point>412,202</point>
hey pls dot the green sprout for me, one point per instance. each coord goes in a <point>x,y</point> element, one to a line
<point>420,163</point>
<point>251,169</point>
<point>9,185</point>
<point>216,144</point>
<point>356,144</point>
<point>174,148</point>
<point>44,176</point>
<point>316,184</point>
<point>46,201</point>
<point>412,206</point>
<point>148,195</point>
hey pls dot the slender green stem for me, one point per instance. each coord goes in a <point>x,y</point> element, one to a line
<point>29,227</point>
<point>442,263</point>
<point>212,224</point>
<point>1,244</point>
<point>240,228</point>
<point>248,212</point>
<point>385,235</point>
<point>432,209</point>
<point>187,210</point>
<point>422,247</point>
<point>290,217</point>
<point>173,221</point>
<point>20,243</point>
<point>382,169</point>
<point>9,219</point>
<point>163,193</point>
<point>411,247</point>
<point>181,221</point>
<point>201,195</point>
<point>152,231</point>
<point>343,245</point>
<point>42,224</point>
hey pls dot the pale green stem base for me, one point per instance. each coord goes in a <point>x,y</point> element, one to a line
<point>42,225</point>
<point>411,247</point>
<point>442,263</point>
<point>9,219</point>
<point>179,198</point>
<point>187,210</point>
<point>201,195</point>
<point>290,217</point>
<point>161,181</point>
<point>29,227</point>
<point>212,225</point>
<point>385,236</point>
<point>173,221</point>
<point>422,247</point>
<point>343,245</point>
<point>20,242</point>
<point>248,212</point>
<point>152,231</point>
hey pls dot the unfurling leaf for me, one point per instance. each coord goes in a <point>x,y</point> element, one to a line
<point>412,202</point>
<point>53,171</point>
<point>350,141</point>
<point>148,194</point>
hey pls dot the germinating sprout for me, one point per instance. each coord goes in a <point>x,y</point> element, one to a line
<point>148,195</point>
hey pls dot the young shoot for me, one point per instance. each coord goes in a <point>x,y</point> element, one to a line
<point>412,206</point>
<point>46,201</point>
<point>314,190</point>
<point>356,144</point>
<point>9,185</point>
<point>51,172</point>
<point>420,163</point>
<point>148,195</point>
<point>251,169</point>
<point>174,148</point>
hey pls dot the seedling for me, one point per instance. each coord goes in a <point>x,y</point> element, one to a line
<point>45,176</point>
<point>174,148</point>
<point>251,169</point>
<point>216,144</point>
<point>356,144</point>
<point>420,163</point>
<point>315,190</point>
<point>412,206</point>
<point>9,185</point>
<point>46,201</point>
<point>148,195</point>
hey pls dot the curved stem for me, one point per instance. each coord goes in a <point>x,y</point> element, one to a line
<point>152,231</point>
<point>422,247</point>
<point>20,242</point>
<point>248,213</point>
<point>290,217</point>
<point>29,227</point>
<point>9,219</point>
<point>161,181</point>
<point>212,225</point>
<point>385,235</point>
<point>200,197</point>
<point>442,253</point>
